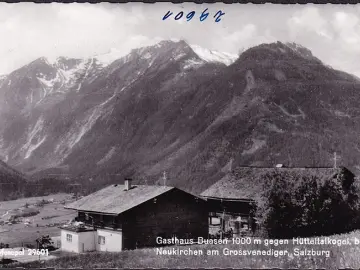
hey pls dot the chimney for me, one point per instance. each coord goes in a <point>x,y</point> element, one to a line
<point>127,183</point>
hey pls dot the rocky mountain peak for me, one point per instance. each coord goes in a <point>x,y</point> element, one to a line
<point>67,63</point>
<point>278,51</point>
<point>165,48</point>
<point>212,56</point>
<point>299,48</point>
<point>39,67</point>
<point>39,62</point>
<point>178,49</point>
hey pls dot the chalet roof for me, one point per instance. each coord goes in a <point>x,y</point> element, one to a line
<point>247,182</point>
<point>115,199</point>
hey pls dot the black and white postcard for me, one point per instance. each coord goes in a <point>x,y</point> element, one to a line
<point>179,135</point>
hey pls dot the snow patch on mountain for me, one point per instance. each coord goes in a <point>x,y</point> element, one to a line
<point>33,147</point>
<point>69,74</point>
<point>65,75</point>
<point>34,139</point>
<point>2,80</point>
<point>5,151</point>
<point>114,54</point>
<point>214,56</point>
<point>147,55</point>
<point>88,66</point>
<point>111,56</point>
<point>179,56</point>
<point>205,54</point>
<point>85,126</point>
<point>49,83</point>
<point>193,63</point>
<point>107,157</point>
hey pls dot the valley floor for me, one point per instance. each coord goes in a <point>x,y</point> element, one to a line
<point>33,218</point>
<point>344,256</point>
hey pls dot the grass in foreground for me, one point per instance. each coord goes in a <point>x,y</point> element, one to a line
<point>340,257</point>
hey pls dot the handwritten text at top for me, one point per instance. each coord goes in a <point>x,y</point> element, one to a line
<point>191,15</point>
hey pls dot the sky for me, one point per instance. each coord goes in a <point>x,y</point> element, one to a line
<point>29,31</point>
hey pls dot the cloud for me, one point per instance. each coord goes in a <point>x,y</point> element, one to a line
<point>246,37</point>
<point>308,19</point>
<point>246,33</point>
<point>29,30</point>
<point>74,30</point>
<point>347,28</point>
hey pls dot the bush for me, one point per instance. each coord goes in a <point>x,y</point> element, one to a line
<point>42,203</point>
<point>4,261</point>
<point>303,206</point>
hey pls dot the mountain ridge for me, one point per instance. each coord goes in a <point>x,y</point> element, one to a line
<point>173,111</point>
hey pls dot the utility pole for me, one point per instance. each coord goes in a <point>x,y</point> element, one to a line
<point>335,160</point>
<point>223,224</point>
<point>231,164</point>
<point>164,178</point>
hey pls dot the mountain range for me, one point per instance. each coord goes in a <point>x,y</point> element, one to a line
<point>177,108</point>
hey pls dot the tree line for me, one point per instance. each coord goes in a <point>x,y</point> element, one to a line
<point>302,206</point>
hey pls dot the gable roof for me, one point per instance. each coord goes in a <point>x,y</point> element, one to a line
<point>115,199</point>
<point>247,182</point>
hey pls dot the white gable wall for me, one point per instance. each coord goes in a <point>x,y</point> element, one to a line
<point>66,245</point>
<point>113,240</point>
<point>87,241</point>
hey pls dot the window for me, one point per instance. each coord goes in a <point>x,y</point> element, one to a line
<point>215,221</point>
<point>101,240</point>
<point>212,214</point>
<point>69,237</point>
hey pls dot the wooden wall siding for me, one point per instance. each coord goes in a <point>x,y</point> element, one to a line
<point>100,221</point>
<point>173,213</point>
<point>236,207</point>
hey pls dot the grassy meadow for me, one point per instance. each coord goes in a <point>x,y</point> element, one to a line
<point>33,218</point>
<point>340,257</point>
